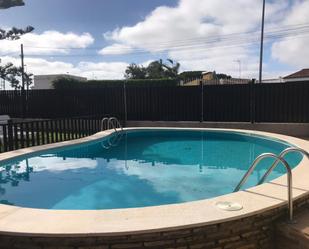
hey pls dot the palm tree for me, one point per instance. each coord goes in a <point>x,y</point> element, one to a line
<point>171,71</point>
<point>155,70</point>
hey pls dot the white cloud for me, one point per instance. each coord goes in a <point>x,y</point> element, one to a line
<point>195,33</point>
<point>116,49</point>
<point>42,66</point>
<point>103,70</point>
<point>54,164</point>
<point>47,42</point>
<point>294,51</point>
<point>99,70</point>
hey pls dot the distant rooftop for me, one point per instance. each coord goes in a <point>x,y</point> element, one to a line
<point>304,73</point>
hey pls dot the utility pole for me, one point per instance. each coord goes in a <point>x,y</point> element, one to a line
<point>22,66</point>
<point>262,43</point>
<point>2,81</point>
<point>22,80</point>
<point>27,79</point>
<point>202,100</point>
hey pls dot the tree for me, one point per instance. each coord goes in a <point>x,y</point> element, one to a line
<point>155,70</point>
<point>5,4</point>
<point>13,75</point>
<point>9,72</point>
<point>223,76</point>
<point>5,71</point>
<point>171,71</point>
<point>28,77</point>
<point>13,33</point>
<point>135,71</point>
<point>16,76</point>
<point>189,75</point>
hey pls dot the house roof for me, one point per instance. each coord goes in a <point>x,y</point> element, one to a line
<point>304,73</point>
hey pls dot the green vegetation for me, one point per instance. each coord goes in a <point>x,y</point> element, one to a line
<point>223,76</point>
<point>190,75</point>
<point>156,73</point>
<point>13,33</point>
<point>155,70</point>
<point>9,72</point>
<point>5,4</point>
<point>67,83</point>
<point>12,74</point>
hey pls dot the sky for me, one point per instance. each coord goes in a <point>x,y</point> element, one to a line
<point>98,39</point>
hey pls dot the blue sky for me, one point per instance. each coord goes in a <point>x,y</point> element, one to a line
<point>98,40</point>
<point>79,16</point>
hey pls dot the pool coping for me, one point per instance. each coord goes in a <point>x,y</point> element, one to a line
<point>76,223</point>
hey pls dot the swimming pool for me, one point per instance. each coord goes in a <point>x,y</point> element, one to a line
<point>145,168</point>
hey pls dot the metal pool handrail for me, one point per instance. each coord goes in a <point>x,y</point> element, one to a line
<point>289,176</point>
<point>118,136</point>
<point>103,121</point>
<point>110,124</point>
<point>282,155</point>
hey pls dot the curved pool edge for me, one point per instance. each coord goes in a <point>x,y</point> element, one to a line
<point>74,223</point>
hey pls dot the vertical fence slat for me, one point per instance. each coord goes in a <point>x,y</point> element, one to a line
<point>42,132</point>
<point>286,102</point>
<point>38,133</point>
<point>27,133</point>
<point>22,135</point>
<point>5,138</point>
<point>47,130</point>
<point>10,136</point>
<point>32,133</point>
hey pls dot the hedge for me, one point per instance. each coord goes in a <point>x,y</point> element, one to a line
<point>67,83</point>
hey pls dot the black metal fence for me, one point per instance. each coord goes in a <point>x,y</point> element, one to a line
<point>286,102</point>
<point>19,135</point>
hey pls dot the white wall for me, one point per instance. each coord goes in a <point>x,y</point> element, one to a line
<point>297,79</point>
<point>46,81</point>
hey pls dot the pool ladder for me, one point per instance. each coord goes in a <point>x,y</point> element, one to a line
<point>112,123</point>
<point>279,158</point>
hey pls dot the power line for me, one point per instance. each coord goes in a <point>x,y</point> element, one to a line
<point>195,48</point>
<point>212,38</point>
<point>211,42</point>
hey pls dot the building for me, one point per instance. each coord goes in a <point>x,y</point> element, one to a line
<point>302,75</point>
<point>275,80</point>
<point>211,78</point>
<point>46,81</point>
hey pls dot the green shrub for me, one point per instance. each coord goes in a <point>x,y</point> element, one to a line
<point>67,83</point>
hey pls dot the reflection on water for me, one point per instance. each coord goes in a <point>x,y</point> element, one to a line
<point>144,168</point>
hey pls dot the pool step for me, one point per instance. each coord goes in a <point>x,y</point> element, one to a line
<point>294,236</point>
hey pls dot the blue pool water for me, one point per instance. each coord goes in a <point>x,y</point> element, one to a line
<point>145,168</point>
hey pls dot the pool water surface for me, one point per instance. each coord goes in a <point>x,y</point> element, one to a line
<point>145,168</point>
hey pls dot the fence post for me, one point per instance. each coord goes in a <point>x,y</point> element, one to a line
<point>252,101</point>
<point>10,135</point>
<point>125,103</point>
<point>5,138</point>
<point>202,101</point>
<point>23,103</point>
